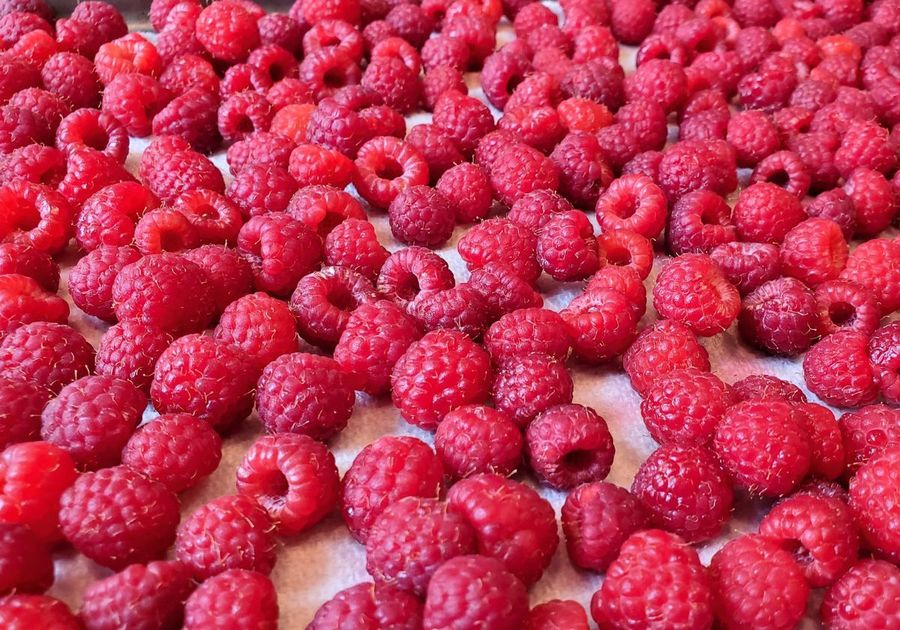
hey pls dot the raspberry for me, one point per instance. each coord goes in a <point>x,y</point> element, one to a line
<point>243,114</point>
<point>72,77</point>
<point>262,149</point>
<point>865,145</point>
<point>329,33</point>
<point>873,200</point>
<point>93,129</point>
<point>566,247</point>
<point>179,171</point>
<point>385,166</point>
<point>324,300</point>
<point>322,208</point>
<point>117,517</point>
<point>867,433</point>
<point>412,270</point>
<point>21,403</point>
<point>134,100</point>
<point>659,80</point>
<point>420,215</point>
<point>827,450</point>
<point>19,127</point>
<point>463,118</point>
<point>261,326</point>
<point>765,387</point>
<point>24,301</point>
<point>467,187</point>
<point>535,209</point>
<point>164,230</point>
<point>47,354</point>
<point>228,31</point>
<point>501,240</point>
<point>36,215</point>
<point>692,290</point>
<point>583,171</point>
<point>538,127</point>
<point>602,324</point>
<point>875,265</point>
<point>306,394</point>
<point>753,137</point>
<point>439,81</point>
<point>109,216</point>
<point>600,80</point>
<point>212,216</point>
<point>632,202</point>
<point>786,169</point>
<point>354,244</point>
<point>632,22</point>
<point>501,73</point>
<point>765,213</point>
<point>579,114</point>
<point>27,566</point>
<point>747,265</point>
<point>625,281</point>
<point>884,354</point>
<point>280,249</point>
<point>676,590</point>
<point>129,53</point>
<point>531,384</point>
<point>23,611</point>
<point>313,165</point>
<point>763,447</point>
<point>836,205</point>
<point>838,371</point>
<point>780,316</point>
<point>204,377</point>
<point>259,189</point>
<point>35,163</point>
<point>475,439</point>
<point>442,50</point>
<point>473,590</point>
<point>230,275</point>
<point>371,605</point>
<point>816,151</point>
<point>393,81</point>
<point>646,121</point>
<point>191,116</point>
<point>643,360</point>
<point>438,150</point>
<point>846,306</point>
<point>699,222</point>
<point>557,614</point>
<point>459,308</point>
<point>151,594</point>
<point>685,406</point>
<point>814,251</point>
<point>233,594</point>
<point>755,565</point>
<point>862,596</point>
<point>526,331</point>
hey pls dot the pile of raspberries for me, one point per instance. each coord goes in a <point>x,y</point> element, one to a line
<point>757,144</point>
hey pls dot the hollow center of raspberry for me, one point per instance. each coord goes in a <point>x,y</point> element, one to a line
<point>408,288</point>
<point>96,138</point>
<point>841,313</point>
<point>25,216</point>
<point>342,298</point>
<point>779,178</point>
<point>171,240</point>
<point>389,169</point>
<point>277,73</point>
<point>245,125</point>
<point>618,256</point>
<point>626,208</point>
<point>801,554</point>
<point>578,460</point>
<point>334,78</point>
<point>274,483</point>
<point>204,210</point>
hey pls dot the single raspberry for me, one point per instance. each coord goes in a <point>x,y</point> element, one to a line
<point>502,291</point>
<point>24,301</point>
<point>624,280</point>
<point>865,144</point>
<point>838,371</point>
<point>393,81</point>
<point>230,275</point>
<point>412,270</point>
<point>814,251</point>
<point>35,163</point>
<point>260,189</point>
<point>261,148</point>
<point>467,187</point>
<point>644,363</point>
<point>443,50</point>
<point>48,354</point>
<point>261,326</point>
<point>36,215</point>
<point>765,387</point>
<point>786,169</point>
<point>763,447</point>
<point>72,77</point>
<point>867,433</point>
<point>816,151</point>
<point>601,80</point>
<point>280,249</point>
<point>513,523</point>
<point>627,249</point>
<point>501,240</point>
<point>233,594</point>
<point>781,317</point>
<point>583,170</point>
<point>884,354</point>
<point>306,394</point>
<point>538,127</point>
<point>753,136</point>
<point>386,166</point>
<point>526,331</point>
<point>566,247</point>
<point>828,457</point>
<point>327,70</point>
<point>697,165</point>
<point>474,439</point>
<point>169,173</point>
<point>117,517</point>
<point>324,300</point>
<point>228,31</point>
<point>21,403</point>
<point>322,208</point>
<point>313,165</point>
<point>755,565</point>
<point>26,566</point>
<point>528,385</point>
<point>463,118</point>
<point>875,265</point>
<point>329,33</point>
<point>438,150</point>
<point>459,308</point>
<point>24,611</point>
<point>354,244</point>
<point>861,597</point>
<point>873,200</point>
<point>692,290</point>
<point>109,216</point>
<point>193,117</point>
<point>845,305</point>
<point>632,202</point>
<point>204,377</point>
<point>699,222</point>
<point>18,128</point>
<point>535,209</point>
<point>660,80</point>
<point>676,590</point>
<point>765,213</point>
<point>836,205</point>
<point>93,129</point>
<point>685,406</point>
<point>164,230</point>
<point>243,114</point>
<point>748,265</point>
<point>602,324</point>
<point>372,605</point>
<point>557,614</point>
<point>151,594</point>
<point>420,215</point>
<point>134,100</point>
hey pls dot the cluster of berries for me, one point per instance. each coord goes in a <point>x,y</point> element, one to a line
<point>798,103</point>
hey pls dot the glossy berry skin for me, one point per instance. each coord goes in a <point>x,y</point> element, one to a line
<point>25,562</point>
<point>235,594</point>
<point>757,585</point>
<point>526,331</point>
<point>475,439</point>
<point>472,591</point>
<point>864,597</point>
<point>873,499</point>
<point>764,213</point>
<point>230,532</point>
<point>684,407</point>
<point>530,385</point>
<point>747,265</point>
<point>47,354</point>
<point>260,325</point>
<point>597,518</point>
<point>675,588</point>
<point>129,351</point>
<point>91,279</point>
<point>557,614</point>
<point>827,448</point>
<point>884,354</point>
<point>369,606</point>
<point>838,371</point>
<point>21,404</point>
<point>867,432</point>
<point>117,517</point>
<point>780,317</point>
<point>36,611</point>
<point>411,539</point>
<point>512,522</point>
<point>875,264</point>
<point>601,323</point>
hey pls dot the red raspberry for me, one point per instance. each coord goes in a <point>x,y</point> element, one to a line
<point>24,301</point>
<point>261,148</point>
<point>846,306</point>
<point>439,81</point>
<point>191,116</point>
<point>785,169</point>
<point>632,202</point>
<point>468,189</point>
<point>765,387</point>
<point>204,377</point>
<point>867,433</point>
<point>658,80</point>
<point>814,251</point>
<point>35,163</point>
<point>697,165</point>
<point>327,70</point>
<point>117,517</point>
<point>177,449</point>
<point>372,605</point>
<point>243,114</point>
<point>259,189</point>
<point>21,403</point>
<point>580,114</point>
<point>213,217</point>
<point>557,614</point>
<point>501,73</point>
<point>228,30</point>
<point>699,222</point>
<point>26,566</point>
<point>18,128</point>
<point>313,165</point>
<point>512,522</point>
<point>566,247</point>
<point>354,244</point>
<point>394,82</point>
<point>36,215</point>
<point>280,249</point>
<point>230,275</point>
<point>747,265</point>
<point>596,519</point>
<point>179,171</point>
<point>780,317</point>
<point>583,171</point>
<point>108,217</point>
<point>129,53</point>
<point>816,151</point>
<point>439,151</point>
<point>322,208</point>
<point>765,213</point>
<point>602,324</point>
<point>42,611</point>
<point>568,445</point>
<point>164,230</point>
<point>134,100</point>
<point>34,475</point>
<point>458,308</point>
<point>261,326</point>
<point>763,447</point>
<point>93,129</point>
<point>865,144</point>
<point>501,240</point>
<point>836,205</point>
<point>685,406</point>
<point>475,439</point>
<point>873,200</point>
<point>624,248</point>
<point>324,300</point>
<point>676,590</point>
<point>625,281</point>
<point>471,591</point>
<point>92,419</point>
<point>420,215</point>
<point>646,121</point>
<point>443,51</point>
<point>463,118</point>
<point>502,291</point>
<point>306,394</point>
<point>753,136</point>
<point>875,265</point>
<point>165,290</point>
<point>632,22</point>
<point>538,127</point>
<point>828,459</point>
<point>692,290</point>
<point>838,371</point>
<point>528,385</point>
<point>412,270</point>
<point>884,354</point>
<point>527,331</point>
<point>644,363</point>
<point>758,585</point>
<point>233,594</point>
<point>230,532</point>
<point>385,166</point>
<point>72,77</point>
<point>48,354</point>
<point>601,80</point>
<point>872,500</point>
<point>535,209</point>
<point>861,597</point>
<point>151,594</point>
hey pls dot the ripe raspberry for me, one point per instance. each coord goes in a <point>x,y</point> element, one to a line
<point>868,432</point>
<point>692,290</point>
<point>557,614</point>
<point>566,247</point>
<point>312,165</point>
<point>676,590</point>
<point>261,148</point>
<point>228,31</point>
<point>700,221</point>
<point>583,171</point>
<point>816,151</point>
<point>412,270</point>
<point>24,301</point>
<point>151,594</point>
<point>41,611</point>
<point>513,523</point>
<point>261,326</point>
<point>884,354</point>
<point>233,594</point>
<point>526,331</point>
<point>836,205</point>
<point>602,324</point>
<point>846,306</point>
<point>518,170</point>
<point>785,169</point>
<point>462,118</point>
<point>21,403</point>
<point>643,361</point>
<point>632,202</point>
<point>780,317</point>
<point>875,265</point>
<point>535,209</point>
<point>468,591</point>
<point>35,163</point>
<point>259,189</point>
<point>230,275</point>
<point>420,215</point>
<point>108,217</point>
<point>865,144</point>
<point>838,371</point>
<point>322,208</point>
<point>873,200</point>
<point>177,449</point>
<point>439,150</point>
<point>467,187</point>
<point>625,281</point>
<point>134,100</point>
<point>163,230</point>
<point>324,300</point>
<point>627,249</point>
<point>765,387</point>
<point>765,213</point>
<point>697,165</point>
<point>861,597</point>
<point>685,406</point>
<point>528,385</point>
<point>354,244</point>
<point>48,354</point>
<point>501,240</point>
<point>828,458</point>
<point>474,439</point>
<point>757,584</point>
<point>748,265</point>
<point>93,129</point>
<point>26,566</point>
<point>292,477</point>
<point>459,308</point>
<point>117,517</point>
<point>36,215</point>
<point>72,77</point>
<point>18,128</point>
<point>371,605</point>
<point>753,136</point>
<point>385,166</point>
<point>170,173</point>
<point>230,532</point>
<point>210,379</point>
<point>763,447</point>
<point>280,249</point>
<point>814,251</point>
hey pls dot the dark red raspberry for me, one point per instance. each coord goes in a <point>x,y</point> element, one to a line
<point>117,517</point>
<point>814,251</point>
<point>261,326</point>
<point>861,597</point>
<point>412,270</point>
<point>306,394</point>
<point>512,522</point>
<point>459,308</point>
<point>757,584</point>
<point>697,165</point>
<point>501,240</point>
<point>868,432</point>
<point>602,324</point>
<point>675,588</point>
<point>210,379</point>
<point>685,406</point>
<point>765,387</point>
<point>134,100</point>
<point>873,200</point>
<point>21,403</point>
<point>534,210</point>
<point>838,371</point>
<point>780,317</point>
<point>601,80</point>
<point>372,605</point>
<point>463,118</point>
<point>18,128</point>
<point>765,213</point>
<point>92,419</point>
<point>475,439</point>
<point>25,301</point>
<point>35,163</point>
<point>692,290</point>
<point>26,565</point>
<point>36,215</point>
<point>42,611</point>
<point>583,171</point>
<point>324,300</point>
<point>71,76</point>
<point>566,247</point>
<point>48,354</point>
<point>420,215</point>
<point>538,127</point>
<point>151,595</point>
<point>191,116</point>
<point>646,121</point>
<point>875,265</point>
<point>178,450</point>
<point>747,265</point>
<point>763,447</point>
<point>836,205</point>
<point>502,291</point>
<point>557,614</point>
<point>233,594</point>
<point>280,249</point>
<point>632,22</point>
<point>230,275</point>
<point>699,222</point>
<point>644,362</point>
